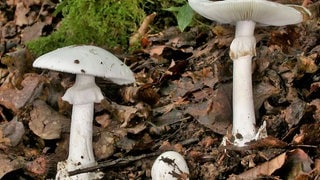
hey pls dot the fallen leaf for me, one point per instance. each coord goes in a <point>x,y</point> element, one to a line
<point>316,105</point>
<point>168,117</point>
<point>294,112</point>
<point>144,93</point>
<point>216,111</point>
<point>46,122</point>
<point>8,164</point>
<point>39,166</point>
<point>104,146</point>
<point>261,92</point>
<point>309,134</point>
<point>297,164</point>
<point>32,32</point>
<point>14,99</point>
<point>9,30</point>
<point>125,114</point>
<point>126,144</point>
<point>104,120</point>
<point>156,50</point>
<point>307,64</point>
<point>17,62</point>
<point>13,131</point>
<point>266,168</point>
<point>137,128</point>
<point>21,12</point>
<point>285,38</point>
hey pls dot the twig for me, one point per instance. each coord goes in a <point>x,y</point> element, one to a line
<point>117,162</point>
<point>143,29</point>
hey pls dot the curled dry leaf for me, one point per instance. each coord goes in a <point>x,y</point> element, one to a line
<point>263,91</point>
<point>14,99</point>
<point>315,104</point>
<point>8,164</point>
<point>309,134</point>
<point>297,164</point>
<point>125,114</point>
<point>46,122</point>
<point>9,30</point>
<point>13,131</point>
<point>3,74</point>
<point>4,142</point>
<point>104,120</point>
<point>216,112</point>
<point>289,165</point>
<point>307,64</point>
<point>294,112</point>
<point>38,166</point>
<point>266,168</point>
<point>17,62</point>
<point>104,146</point>
<point>144,93</point>
<point>32,32</point>
<point>284,38</point>
<point>21,14</point>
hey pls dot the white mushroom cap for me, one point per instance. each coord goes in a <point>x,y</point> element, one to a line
<point>169,165</point>
<point>86,60</point>
<point>262,12</point>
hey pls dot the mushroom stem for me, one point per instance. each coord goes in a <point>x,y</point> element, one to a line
<point>80,145</point>
<point>243,109</point>
<point>83,94</point>
<point>242,50</point>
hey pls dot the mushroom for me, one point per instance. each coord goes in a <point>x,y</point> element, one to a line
<point>245,14</point>
<point>86,62</point>
<point>169,165</point>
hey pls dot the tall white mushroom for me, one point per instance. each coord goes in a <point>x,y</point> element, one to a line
<point>86,62</point>
<point>245,14</point>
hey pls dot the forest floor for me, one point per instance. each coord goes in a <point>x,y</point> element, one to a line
<point>181,101</point>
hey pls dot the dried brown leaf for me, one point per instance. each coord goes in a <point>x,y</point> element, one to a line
<point>215,112</point>
<point>39,166</point>
<point>307,64</point>
<point>316,105</point>
<point>14,99</point>
<point>309,134</point>
<point>21,12</point>
<point>263,91</point>
<point>298,163</point>
<point>46,122</point>
<point>293,113</point>
<point>32,32</point>
<point>266,168</point>
<point>104,146</point>
<point>104,120</point>
<point>12,131</point>
<point>8,164</point>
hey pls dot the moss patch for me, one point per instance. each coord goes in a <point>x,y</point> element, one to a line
<point>99,22</point>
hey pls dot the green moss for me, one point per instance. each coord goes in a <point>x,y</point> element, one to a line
<point>103,23</point>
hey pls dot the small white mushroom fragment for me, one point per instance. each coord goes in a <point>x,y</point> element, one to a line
<point>170,165</point>
<point>86,62</point>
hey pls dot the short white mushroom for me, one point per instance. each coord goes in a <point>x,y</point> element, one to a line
<point>86,62</point>
<point>245,14</point>
<point>170,165</point>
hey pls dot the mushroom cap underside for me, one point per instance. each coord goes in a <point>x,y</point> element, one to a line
<point>262,12</point>
<point>86,60</point>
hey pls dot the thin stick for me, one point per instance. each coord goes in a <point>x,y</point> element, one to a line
<point>117,162</point>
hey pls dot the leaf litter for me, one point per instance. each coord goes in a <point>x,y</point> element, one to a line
<point>182,101</point>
